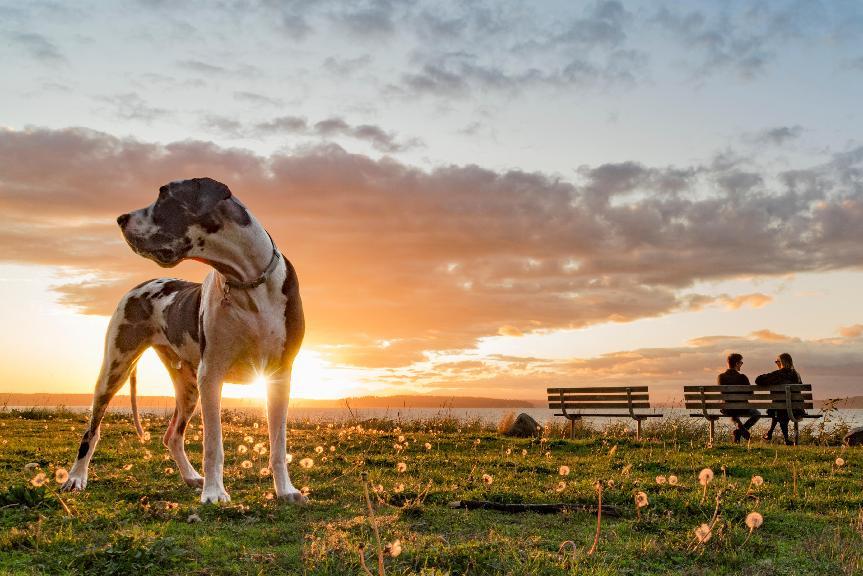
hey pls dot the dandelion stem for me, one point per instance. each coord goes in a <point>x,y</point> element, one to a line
<point>598,520</point>
<point>362,553</point>
<point>373,522</point>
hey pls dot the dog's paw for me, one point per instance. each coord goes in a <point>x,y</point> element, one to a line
<point>214,496</point>
<point>74,484</point>
<point>194,481</point>
<point>294,497</point>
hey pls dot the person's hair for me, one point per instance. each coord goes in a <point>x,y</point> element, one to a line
<point>733,359</point>
<point>786,361</point>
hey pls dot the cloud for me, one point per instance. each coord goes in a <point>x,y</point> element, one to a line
<point>697,302</point>
<point>853,331</point>
<point>39,47</point>
<point>777,136</point>
<point>432,260</point>
<point>770,336</point>
<point>256,99</point>
<point>131,106</point>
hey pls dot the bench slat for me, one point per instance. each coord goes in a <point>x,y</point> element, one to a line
<point>745,405</point>
<point>599,389</point>
<point>743,397</point>
<point>615,415</point>
<point>773,388</point>
<point>603,397</point>
<point>576,405</point>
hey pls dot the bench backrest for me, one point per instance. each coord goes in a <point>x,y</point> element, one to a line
<point>623,398</point>
<point>776,396</point>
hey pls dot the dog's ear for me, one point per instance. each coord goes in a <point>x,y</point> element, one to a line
<point>198,195</point>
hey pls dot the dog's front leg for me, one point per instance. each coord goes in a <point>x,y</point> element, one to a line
<point>278,391</point>
<point>210,386</point>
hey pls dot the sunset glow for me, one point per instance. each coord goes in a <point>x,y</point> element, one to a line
<point>478,200</point>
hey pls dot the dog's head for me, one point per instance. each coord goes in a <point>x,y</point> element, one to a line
<point>177,224</point>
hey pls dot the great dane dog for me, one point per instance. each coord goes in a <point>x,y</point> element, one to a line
<point>245,321</point>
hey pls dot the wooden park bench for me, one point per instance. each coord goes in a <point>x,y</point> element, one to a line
<point>610,401</point>
<point>709,400</point>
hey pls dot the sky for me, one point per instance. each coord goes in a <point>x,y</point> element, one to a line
<point>484,198</point>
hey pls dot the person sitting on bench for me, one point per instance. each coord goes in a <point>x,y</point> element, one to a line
<point>786,374</point>
<point>733,377</point>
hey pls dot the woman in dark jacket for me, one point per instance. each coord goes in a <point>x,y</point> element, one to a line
<point>786,374</point>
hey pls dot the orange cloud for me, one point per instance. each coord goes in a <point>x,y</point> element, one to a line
<point>425,260</point>
<point>770,336</point>
<point>853,331</point>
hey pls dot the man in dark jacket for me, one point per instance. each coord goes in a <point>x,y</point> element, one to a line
<point>733,377</point>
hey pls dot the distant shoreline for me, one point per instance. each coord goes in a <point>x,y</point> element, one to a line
<point>401,401</point>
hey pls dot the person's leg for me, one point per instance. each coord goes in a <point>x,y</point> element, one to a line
<point>754,416</point>
<point>783,425</point>
<point>773,421</point>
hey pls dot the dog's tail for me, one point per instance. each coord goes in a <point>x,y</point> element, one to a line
<point>133,392</point>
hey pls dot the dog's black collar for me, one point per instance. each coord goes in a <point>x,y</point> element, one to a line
<point>233,285</point>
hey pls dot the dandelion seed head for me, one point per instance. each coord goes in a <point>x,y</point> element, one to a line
<point>169,470</point>
<point>487,479</point>
<point>757,480</point>
<point>248,439</point>
<point>399,488</point>
<point>401,467</point>
<point>563,471</point>
<point>561,486</point>
<point>61,475</point>
<point>319,449</point>
<point>241,449</point>
<point>264,472</point>
<point>307,463</point>
<point>754,520</point>
<point>39,479</point>
<point>289,458</point>
<point>401,438</point>
<point>703,533</point>
<point>661,480</point>
<point>524,451</point>
<point>641,499</point>
<point>428,446</point>
<point>672,480</point>
<point>246,464</point>
<point>840,462</point>
<point>705,476</point>
<point>394,548</point>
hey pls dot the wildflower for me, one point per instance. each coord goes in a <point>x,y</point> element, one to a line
<point>476,442</point>
<point>146,437</point>
<point>378,488</point>
<point>264,471</point>
<point>401,438</point>
<point>61,475</point>
<point>561,486</point>
<point>319,449</point>
<point>255,425</point>
<point>196,437</point>
<point>169,470</point>
<point>703,533</point>
<point>307,462</point>
<point>488,479</point>
<point>840,462</point>
<point>757,480</point>
<point>401,467</point>
<point>248,439</point>
<point>289,458</point>
<point>241,449</point>
<point>640,499</point>
<point>399,488</point>
<point>754,520</point>
<point>705,476</point>
<point>661,480</point>
<point>524,451</point>
<point>394,548</point>
<point>38,480</point>
<point>246,464</point>
<point>563,471</point>
<point>611,483</point>
<point>332,448</point>
<point>30,466</point>
<point>428,446</point>
<point>259,448</point>
<point>397,447</point>
<point>672,480</point>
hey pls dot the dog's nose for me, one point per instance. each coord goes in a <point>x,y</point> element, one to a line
<point>123,219</point>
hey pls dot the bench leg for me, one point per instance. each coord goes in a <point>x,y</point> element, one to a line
<point>638,429</point>
<point>796,433</point>
<point>571,428</point>
<point>712,424</point>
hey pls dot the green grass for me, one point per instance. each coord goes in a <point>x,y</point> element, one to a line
<point>135,521</point>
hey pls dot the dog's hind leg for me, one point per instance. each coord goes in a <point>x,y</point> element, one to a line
<point>186,391</point>
<point>128,336</point>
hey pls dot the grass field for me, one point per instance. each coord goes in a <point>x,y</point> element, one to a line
<point>134,518</point>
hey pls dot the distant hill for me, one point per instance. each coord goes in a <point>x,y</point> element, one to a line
<point>401,401</point>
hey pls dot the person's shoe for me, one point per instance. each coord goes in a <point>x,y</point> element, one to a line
<point>768,436</point>
<point>789,443</point>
